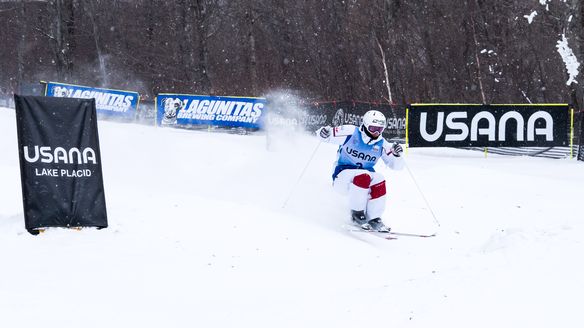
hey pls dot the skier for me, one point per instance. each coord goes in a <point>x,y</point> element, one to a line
<point>359,150</point>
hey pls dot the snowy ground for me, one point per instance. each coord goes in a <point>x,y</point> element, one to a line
<point>199,237</point>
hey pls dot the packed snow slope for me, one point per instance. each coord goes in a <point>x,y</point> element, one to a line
<point>214,230</point>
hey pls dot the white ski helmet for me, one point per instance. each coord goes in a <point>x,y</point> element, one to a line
<point>374,123</point>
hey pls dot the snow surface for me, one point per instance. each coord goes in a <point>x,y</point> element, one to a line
<point>198,237</point>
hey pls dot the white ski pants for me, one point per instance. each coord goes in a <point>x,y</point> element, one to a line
<point>366,191</point>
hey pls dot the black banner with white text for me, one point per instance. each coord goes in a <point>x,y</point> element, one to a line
<point>350,112</point>
<point>60,162</point>
<point>466,125</point>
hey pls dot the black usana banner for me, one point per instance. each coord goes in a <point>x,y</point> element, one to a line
<point>462,125</point>
<point>60,163</point>
<point>349,112</point>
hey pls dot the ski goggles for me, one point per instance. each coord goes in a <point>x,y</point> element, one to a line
<point>375,129</point>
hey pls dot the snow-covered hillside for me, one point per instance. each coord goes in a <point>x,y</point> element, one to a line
<point>199,237</point>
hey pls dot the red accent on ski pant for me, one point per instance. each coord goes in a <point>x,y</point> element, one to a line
<point>378,190</point>
<point>362,181</point>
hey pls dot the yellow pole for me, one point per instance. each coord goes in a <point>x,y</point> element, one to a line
<point>486,151</point>
<point>572,134</point>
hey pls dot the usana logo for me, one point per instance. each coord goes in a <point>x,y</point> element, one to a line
<point>359,155</point>
<point>458,122</point>
<point>60,155</point>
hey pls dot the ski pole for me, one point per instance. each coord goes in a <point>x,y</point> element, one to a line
<point>301,175</point>
<point>421,193</point>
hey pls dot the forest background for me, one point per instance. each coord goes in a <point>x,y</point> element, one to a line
<point>395,51</point>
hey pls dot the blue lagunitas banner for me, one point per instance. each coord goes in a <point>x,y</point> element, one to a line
<point>177,109</point>
<point>109,103</point>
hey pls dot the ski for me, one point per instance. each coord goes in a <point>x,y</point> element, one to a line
<point>390,234</point>
<point>407,234</point>
<point>384,235</point>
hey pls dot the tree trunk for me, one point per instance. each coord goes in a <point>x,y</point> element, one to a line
<point>250,18</point>
<point>385,72</point>
<point>202,34</point>
<point>21,45</point>
<point>63,20</point>
<point>92,12</point>
<point>478,61</point>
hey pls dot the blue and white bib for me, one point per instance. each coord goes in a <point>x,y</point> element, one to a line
<point>356,154</point>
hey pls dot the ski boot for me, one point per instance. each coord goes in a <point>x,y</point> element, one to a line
<point>377,225</point>
<point>360,220</point>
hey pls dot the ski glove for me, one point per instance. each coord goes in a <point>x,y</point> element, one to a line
<point>325,132</point>
<point>397,149</point>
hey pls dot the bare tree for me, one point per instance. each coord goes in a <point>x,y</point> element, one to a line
<point>59,20</point>
<point>91,9</point>
<point>21,43</point>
